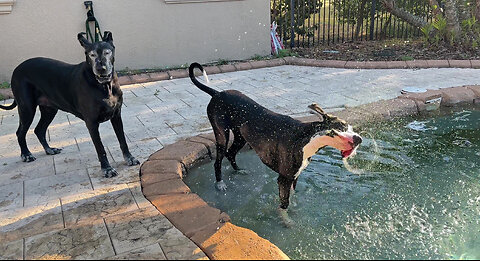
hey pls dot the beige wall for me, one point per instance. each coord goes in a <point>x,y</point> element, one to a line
<point>147,33</point>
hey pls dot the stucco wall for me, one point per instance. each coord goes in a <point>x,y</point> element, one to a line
<point>147,33</point>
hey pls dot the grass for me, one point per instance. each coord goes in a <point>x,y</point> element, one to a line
<point>4,85</point>
<point>285,53</point>
<point>407,58</point>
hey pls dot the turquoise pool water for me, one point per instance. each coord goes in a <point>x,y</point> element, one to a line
<point>418,196</point>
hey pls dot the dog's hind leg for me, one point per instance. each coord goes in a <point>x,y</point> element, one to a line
<point>26,112</point>
<point>238,143</point>
<point>221,137</point>
<point>48,113</point>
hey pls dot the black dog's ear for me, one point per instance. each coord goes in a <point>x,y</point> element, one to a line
<point>83,41</point>
<point>107,37</point>
<point>318,111</point>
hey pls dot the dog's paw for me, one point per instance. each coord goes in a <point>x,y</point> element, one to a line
<point>241,171</point>
<point>28,157</point>
<point>286,220</point>
<point>131,161</point>
<point>110,172</point>
<point>53,151</point>
<point>221,186</point>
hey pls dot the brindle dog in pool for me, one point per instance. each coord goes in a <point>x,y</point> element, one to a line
<point>284,144</point>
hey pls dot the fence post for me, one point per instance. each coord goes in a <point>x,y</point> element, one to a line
<point>372,18</point>
<point>292,23</point>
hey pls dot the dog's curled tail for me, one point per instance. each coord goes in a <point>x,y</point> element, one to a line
<point>200,85</point>
<point>10,107</point>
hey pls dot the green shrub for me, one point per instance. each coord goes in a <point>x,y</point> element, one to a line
<point>4,85</point>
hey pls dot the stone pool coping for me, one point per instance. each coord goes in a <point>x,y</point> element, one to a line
<point>161,177</point>
<point>247,65</point>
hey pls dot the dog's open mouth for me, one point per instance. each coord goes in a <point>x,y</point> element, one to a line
<point>348,153</point>
<point>103,78</point>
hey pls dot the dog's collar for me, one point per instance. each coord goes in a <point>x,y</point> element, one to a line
<point>108,86</point>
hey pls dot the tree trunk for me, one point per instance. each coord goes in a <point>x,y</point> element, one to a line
<point>383,33</point>
<point>402,14</point>
<point>464,11</point>
<point>477,10</point>
<point>453,25</point>
<point>435,7</point>
<point>361,8</point>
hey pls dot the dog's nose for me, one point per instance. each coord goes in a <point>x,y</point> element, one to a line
<point>357,140</point>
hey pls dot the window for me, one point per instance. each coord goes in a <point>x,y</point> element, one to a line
<point>6,6</point>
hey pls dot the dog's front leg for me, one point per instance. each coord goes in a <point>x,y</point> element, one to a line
<point>118,128</point>
<point>284,187</point>
<point>102,155</point>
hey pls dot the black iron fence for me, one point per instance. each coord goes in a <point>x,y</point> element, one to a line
<point>306,23</point>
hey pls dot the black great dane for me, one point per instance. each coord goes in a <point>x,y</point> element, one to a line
<point>88,90</point>
<point>283,144</point>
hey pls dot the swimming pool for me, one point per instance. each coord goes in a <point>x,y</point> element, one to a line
<point>417,198</point>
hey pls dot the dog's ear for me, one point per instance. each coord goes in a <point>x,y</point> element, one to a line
<point>107,37</point>
<point>83,41</point>
<point>318,111</point>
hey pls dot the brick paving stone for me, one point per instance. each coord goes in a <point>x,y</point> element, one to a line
<point>28,221</point>
<point>438,63</point>
<point>225,68</point>
<point>243,66</point>
<point>475,64</point>
<point>125,80</point>
<point>397,65</point>
<point>159,76</point>
<point>258,64</point>
<point>354,65</point>
<point>11,250</point>
<point>417,64</point>
<point>180,73</point>
<point>152,252</point>
<point>460,63</point>
<point>84,242</point>
<point>135,229</point>
<point>140,78</point>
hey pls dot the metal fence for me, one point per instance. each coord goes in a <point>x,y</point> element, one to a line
<point>307,23</point>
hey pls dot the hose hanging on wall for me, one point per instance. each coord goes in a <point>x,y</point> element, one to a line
<point>97,35</point>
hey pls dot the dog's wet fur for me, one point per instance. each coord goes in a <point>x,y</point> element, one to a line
<point>88,90</point>
<point>283,144</point>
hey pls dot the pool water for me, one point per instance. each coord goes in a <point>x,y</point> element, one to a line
<point>417,198</point>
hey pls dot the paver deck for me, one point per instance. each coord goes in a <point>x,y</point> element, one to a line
<point>61,206</point>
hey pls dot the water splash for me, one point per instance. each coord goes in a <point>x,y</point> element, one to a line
<point>420,126</point>
<point>376,153</point>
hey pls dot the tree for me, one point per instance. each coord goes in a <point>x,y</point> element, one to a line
<point>456,22</point>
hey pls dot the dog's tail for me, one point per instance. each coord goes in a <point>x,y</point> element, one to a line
<point>200,85</point>
<point>10,107</point>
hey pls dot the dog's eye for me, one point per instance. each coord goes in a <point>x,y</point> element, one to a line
<point>93,55</point>
<point>107,52</point>
<point>331,133</point>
